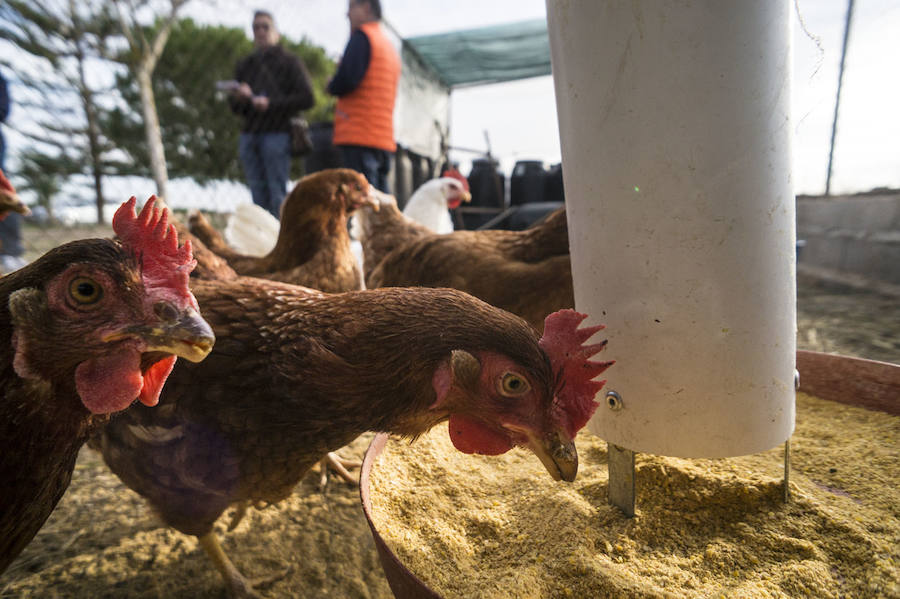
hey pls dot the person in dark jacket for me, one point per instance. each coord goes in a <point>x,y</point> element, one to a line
<point>11,248</point>
<point>271,86</point>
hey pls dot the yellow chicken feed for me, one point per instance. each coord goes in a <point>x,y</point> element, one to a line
<point>473,526</point>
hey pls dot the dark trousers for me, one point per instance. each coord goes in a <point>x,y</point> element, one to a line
<point>373,163</point>
<point>11,226</point>
<point>11,235</point>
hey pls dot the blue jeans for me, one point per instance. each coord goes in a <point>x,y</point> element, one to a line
<point>373,163</point>
<point>267,163</point>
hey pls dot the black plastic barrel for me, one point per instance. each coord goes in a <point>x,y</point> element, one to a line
<point>324,154</point>
<point>403,176</point>
<point>421,169</point>
<point>486,184</point>
<point>553,185</point>
<point>526,184</point>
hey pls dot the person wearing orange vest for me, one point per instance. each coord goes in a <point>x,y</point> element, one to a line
<point>366,86</point>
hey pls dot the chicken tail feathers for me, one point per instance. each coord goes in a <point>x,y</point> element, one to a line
<point>252,230</point>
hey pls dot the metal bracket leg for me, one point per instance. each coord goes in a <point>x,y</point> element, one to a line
<point>787,470</point>
<point>621,478</point>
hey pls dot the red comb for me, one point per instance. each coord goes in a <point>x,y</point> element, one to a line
<point>562,340</point>
<point>452,172</point>
<point>5,184</point>
<point>154,242</point>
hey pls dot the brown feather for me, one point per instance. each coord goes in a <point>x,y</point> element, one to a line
<point>525,272</point>
<point>384,231</point>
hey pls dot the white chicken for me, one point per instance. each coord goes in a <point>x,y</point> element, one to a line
<point>429,205</point>
<point>252,230</point>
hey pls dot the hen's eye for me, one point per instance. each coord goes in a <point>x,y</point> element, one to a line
<point>85,291</point>
<point>512,384</point>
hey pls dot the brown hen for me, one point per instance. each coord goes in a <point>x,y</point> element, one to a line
<point>525,272</point>
<point>296,373</point>
<point>313,247</point>
<point>88,328</point>
<point>381,232</point>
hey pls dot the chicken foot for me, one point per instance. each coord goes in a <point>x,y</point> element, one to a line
<point>237,586</point>
<point>339,465</point>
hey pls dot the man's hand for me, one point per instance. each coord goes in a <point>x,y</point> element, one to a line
<point>243,92</point>
<point>261,103</point>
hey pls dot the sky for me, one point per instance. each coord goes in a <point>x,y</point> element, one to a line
<point>520,117</point>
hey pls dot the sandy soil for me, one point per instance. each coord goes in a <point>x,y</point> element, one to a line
<point>102,541</point>
<point>852,322</point>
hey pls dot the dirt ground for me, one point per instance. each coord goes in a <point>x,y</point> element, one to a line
<point>841,320</point>
<point>102,541</point>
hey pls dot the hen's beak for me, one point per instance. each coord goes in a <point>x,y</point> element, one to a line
<point>557,453</point>
<point>11,202</point>
<point>181,333</point>
<point>372,199</point>
<point>456,201</point>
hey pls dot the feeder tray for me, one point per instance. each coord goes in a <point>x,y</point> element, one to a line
<point>402,581</point>
<point>854,381</point>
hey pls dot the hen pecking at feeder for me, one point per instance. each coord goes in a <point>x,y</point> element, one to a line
<point>297,373</point>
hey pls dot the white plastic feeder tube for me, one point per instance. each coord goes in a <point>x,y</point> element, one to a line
<point>675,127</point>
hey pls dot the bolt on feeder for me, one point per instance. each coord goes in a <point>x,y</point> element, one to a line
<point>675,132</point>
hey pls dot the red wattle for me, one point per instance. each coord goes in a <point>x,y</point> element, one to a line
<point>109,383</point>
<point>471,436</point>
<point>154,379</point>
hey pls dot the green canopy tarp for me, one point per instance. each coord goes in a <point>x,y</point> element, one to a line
<point>487,54</point>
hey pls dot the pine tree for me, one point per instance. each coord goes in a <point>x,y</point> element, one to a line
<point>59,49</point>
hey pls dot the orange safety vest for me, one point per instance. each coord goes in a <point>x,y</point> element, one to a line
<point>365,116</point>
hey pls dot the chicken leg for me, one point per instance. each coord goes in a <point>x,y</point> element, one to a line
<point>339,465</point>
<point>237,585</point>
